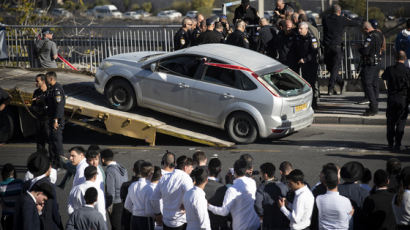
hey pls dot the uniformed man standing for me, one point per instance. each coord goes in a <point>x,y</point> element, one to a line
<point>284,41</point>
<point>209,36</point>
<point>333,27</point>
<point>182,37</point>
<point>280,10</point>
<point>39,109</point>
<point>305,50</point>
<point>397,78</point>
<point>266,41</point>
<point>249,15</point>
<point>238,37</point>
<point>370,67</point>
<point>55,108</point>
<point>46,49</point>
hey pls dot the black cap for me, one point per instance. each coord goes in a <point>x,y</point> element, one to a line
<point>46,30</point>
<point>38,164</point>
<point>210,21</point>
<point>352,171</point>
<point>374,23</point>
<point>45,188</point>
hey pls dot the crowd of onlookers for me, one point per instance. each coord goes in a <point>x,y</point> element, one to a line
<point>193,193</point>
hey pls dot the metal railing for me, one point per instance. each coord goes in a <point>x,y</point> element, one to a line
<point>87,46</point>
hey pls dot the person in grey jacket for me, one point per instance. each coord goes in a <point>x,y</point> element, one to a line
<point>87,217</point>
<point>116,175</point>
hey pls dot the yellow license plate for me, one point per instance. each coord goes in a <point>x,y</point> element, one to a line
<point>300,107</point>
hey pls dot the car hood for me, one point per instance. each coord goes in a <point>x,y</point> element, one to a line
<point>132,57</point>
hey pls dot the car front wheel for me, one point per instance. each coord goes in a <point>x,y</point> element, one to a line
<point>120,95</point>
<point>242,128</point>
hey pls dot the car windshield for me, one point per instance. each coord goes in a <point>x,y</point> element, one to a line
<point>286,82</point>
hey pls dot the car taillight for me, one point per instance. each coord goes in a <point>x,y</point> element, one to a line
<point>266,85</point>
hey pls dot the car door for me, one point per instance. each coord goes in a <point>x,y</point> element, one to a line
<point>217,89</point>
<point>168,88</point>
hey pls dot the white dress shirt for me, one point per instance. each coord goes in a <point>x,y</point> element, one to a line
<point>79,172</point>
<point>334,211</point>
<point>239,200</point>
<point>149,204</point>
<point>196,208</point>
<point>76,198</point>
<point>302,209</point>
<point>135,201</point>
<point>171,188</point>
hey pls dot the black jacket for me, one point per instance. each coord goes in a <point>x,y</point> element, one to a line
<point>266,41</point>
<point>266,205</point>
<point>249,15</point>
<point>238,38</point>
<point>215,193</point>
<point>333,28</point>
<point>182,39</point>
<point>357,195</point>
<point>50,218</point>
<point>372,44</point>
<point>26,216</point>
<point>55,102</point>
<point>209,36</point>
<point>398,79</point>
<point>377,212</point>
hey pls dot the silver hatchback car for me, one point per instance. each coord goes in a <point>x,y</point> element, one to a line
<point>241,91</point>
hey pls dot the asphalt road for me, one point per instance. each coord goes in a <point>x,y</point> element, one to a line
<point>307,150</point>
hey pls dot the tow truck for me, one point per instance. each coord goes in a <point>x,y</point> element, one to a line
<point>85,107</point>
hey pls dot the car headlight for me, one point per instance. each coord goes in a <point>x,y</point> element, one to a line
<point>105,65</point>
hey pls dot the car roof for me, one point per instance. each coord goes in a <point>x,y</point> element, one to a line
<point>243,57</point>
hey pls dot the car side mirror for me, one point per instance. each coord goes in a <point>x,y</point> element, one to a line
<point>153,67</point>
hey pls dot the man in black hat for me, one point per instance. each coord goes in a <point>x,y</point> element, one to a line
<point>351,173</point>
<point>31,206</point>
<point>209,36</point>
<point>39,165</point>
<point>46,49</point>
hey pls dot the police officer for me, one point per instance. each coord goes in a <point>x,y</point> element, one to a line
<point>210,36</point>
<point>280,10</point>
<point>238,37</point>
<point>305,51</point>
<point>39,109</point>
<point>333,27</point>
<point>284,41</point>
<point>266,41</point>
<point>182,37</point>
<point>397,78</point>
<point>249,15</point>
<point>370,52</point>
<point>55,102</point>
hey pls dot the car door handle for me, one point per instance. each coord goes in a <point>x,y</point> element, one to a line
<point>228,96</point>
<point>183,85</point>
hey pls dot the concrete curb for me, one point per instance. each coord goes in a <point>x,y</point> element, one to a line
<point>349,119</point>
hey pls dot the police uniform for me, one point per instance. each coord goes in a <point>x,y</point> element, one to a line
<point>398,86</point>
<point>55,108</point>
<point>250,17</point>
<point>39,109</point>
<point>284,43</point>
<point>210,36</point>
<point>370,52</point>
<point>238,38</point>
<point>266,40</point>
<point>182,39</point>
<point>195,36</point>
<point>333,27</point>
<point>306,48</point>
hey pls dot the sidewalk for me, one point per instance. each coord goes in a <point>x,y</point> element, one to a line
<point>341,109</point>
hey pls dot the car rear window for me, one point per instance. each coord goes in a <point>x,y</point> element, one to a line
<point>286,82</point>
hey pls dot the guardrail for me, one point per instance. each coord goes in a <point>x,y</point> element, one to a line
<point>86,46</point>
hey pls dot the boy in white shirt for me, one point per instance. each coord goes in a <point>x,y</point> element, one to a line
<point>195,203</point>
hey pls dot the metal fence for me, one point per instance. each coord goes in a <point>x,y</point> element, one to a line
<point>86,46</point>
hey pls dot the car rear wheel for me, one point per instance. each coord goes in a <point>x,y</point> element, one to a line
<point>242,128</point>
<point>121,95</point>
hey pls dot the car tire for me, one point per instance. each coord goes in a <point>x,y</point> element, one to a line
<point>120,95</point>
<point>242,128</point>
